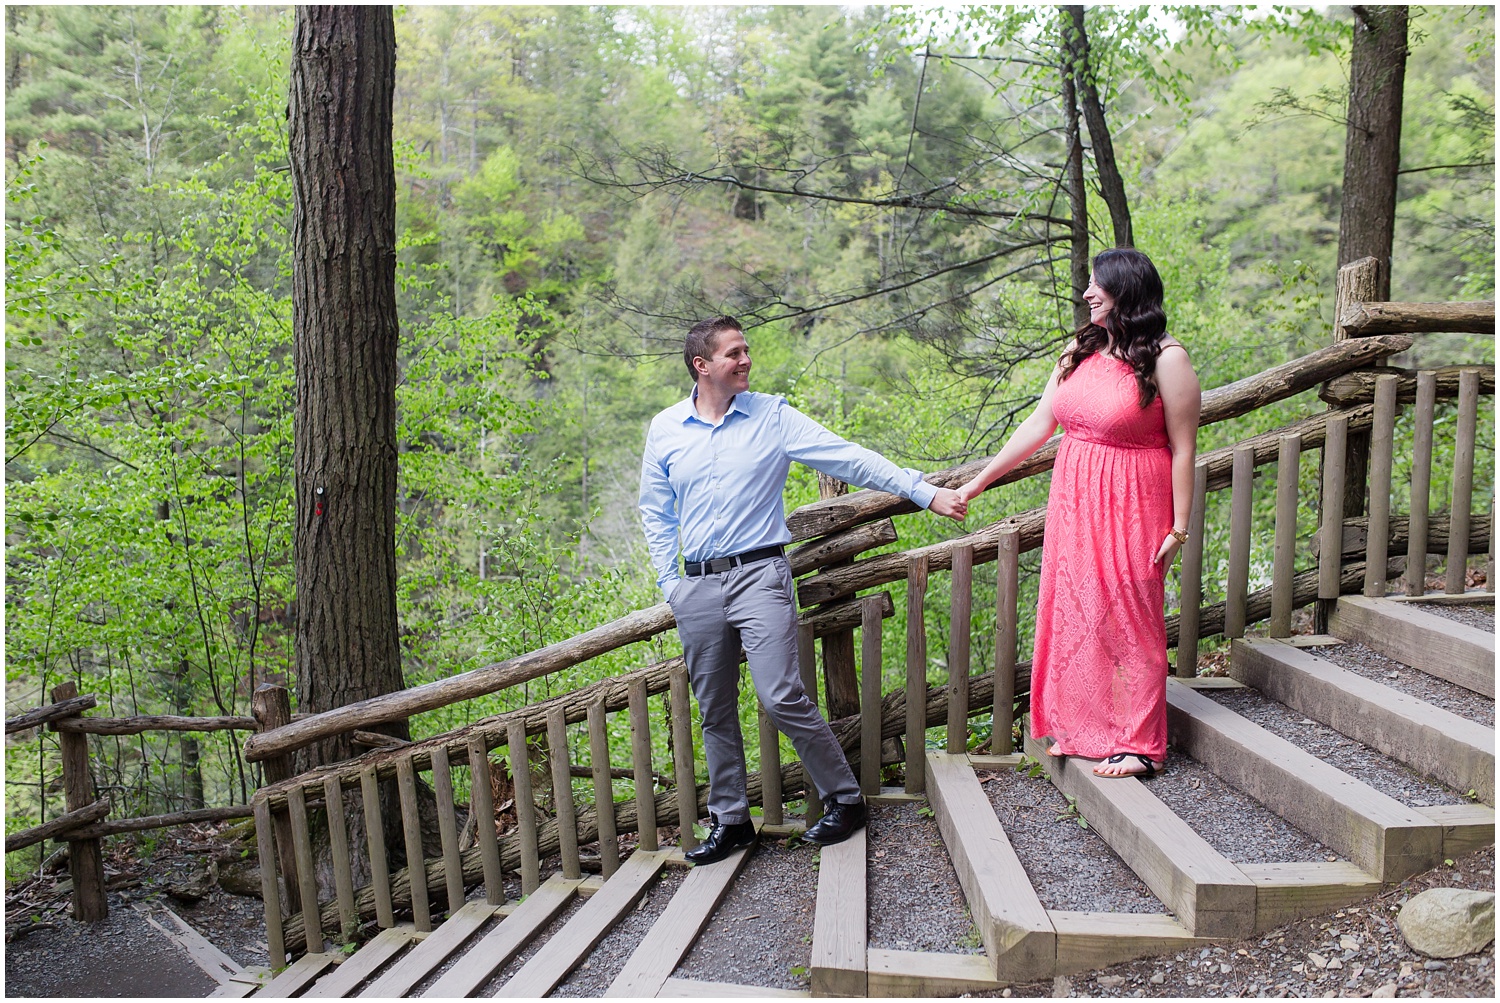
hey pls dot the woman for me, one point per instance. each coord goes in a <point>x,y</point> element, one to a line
<point>1128,400</point>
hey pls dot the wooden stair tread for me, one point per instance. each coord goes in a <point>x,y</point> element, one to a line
<point>379,949</point>
<point>296,975</point>
<point>562,953</point>
<point>1433,741</point>
<point>1436,645</point>
<point>431,952</point>
<point>1289,891</point>
<point>696,989</point>
<point>926,973</point>
<point>839,920</point>
<point>494,950</point>
<point>1194,880</point>
<point>1089,940</point>
<point>1372,829</point>
<point>1011,920</point>
<point>679,925</point>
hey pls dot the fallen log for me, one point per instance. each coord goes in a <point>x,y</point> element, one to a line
<point>1358,387</point>
<point>1362,319</point>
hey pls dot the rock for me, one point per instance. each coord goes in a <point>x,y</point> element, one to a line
<point>240,877</point>
<point>1111,981</point>
<point>1317,959</point>
<point>1158,979</point>
<point>1348,943</point>
<point>1448,922</point>
<point>1435,966</point>
<point>1385,992</point>
<point>1062,987</point>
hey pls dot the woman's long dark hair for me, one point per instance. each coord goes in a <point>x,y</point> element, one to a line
<point>1134,327</point>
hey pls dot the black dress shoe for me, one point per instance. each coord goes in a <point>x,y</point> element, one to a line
<point>839,823</point>
<point>723,839</point>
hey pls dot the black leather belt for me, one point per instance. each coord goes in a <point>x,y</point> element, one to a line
<point>719,565</point>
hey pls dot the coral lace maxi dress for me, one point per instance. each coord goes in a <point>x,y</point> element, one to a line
<point>1099,676</point>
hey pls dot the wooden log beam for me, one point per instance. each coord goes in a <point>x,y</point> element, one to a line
<point>1219,404</point>
<point>1358,387</point>
<point>840,546</point>
<point>1363,319</point>
<point>51,712</point>
<point>116,826</point>
<point>62,824</point>
<point>154,722</point>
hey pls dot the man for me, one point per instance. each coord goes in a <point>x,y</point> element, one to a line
<point>712,479</point>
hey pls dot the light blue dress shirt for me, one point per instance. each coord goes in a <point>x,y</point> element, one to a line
<point>716,490</point>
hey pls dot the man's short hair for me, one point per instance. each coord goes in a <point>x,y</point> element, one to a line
<point>703,338</point>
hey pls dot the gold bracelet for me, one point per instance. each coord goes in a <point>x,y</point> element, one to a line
<point>1181,534</point>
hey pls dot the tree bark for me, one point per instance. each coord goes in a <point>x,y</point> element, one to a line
<point>1078,203</point>
<point>345,336</point>
<point>1372,144</point>
<point>1111,184</point>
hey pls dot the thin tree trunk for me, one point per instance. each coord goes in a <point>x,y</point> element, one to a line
<point>345,336</point>
<point>1372,144</point>
<point>1111,184</point>
<point>1077,198</point>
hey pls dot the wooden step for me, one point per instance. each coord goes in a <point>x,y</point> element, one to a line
<point>379,949</point>
<point>297,975</point>
<point>674,932</point>
<point>1208,894</point>
<point>693,989</point>
<point>1438,646</point>
<point>568,947</point>
<point>495,949</point>
<point>1011,920</point>
<point>1466,827</point>
<point>434,949</point>
<point>1289,891</point>
<point>839,920</point>
<point>1373,830</point>
<point>1433,741</point>
<point>922,974</point>
<point>1089,940</point>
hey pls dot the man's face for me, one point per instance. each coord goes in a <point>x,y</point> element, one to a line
<point>729,369</point>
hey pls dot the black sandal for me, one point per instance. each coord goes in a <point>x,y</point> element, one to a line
<point>1120,757</point>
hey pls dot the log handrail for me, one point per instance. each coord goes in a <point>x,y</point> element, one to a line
<point>818,519</point>
<point>1365,319</point>
<point>64,826</point>
<point>153,722</point>
<point>50,712</point>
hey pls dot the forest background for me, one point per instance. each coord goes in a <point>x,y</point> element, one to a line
<point>577,185</point>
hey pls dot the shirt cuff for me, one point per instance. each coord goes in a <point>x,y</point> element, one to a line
<point>923,493</point>
<point>668,587</point>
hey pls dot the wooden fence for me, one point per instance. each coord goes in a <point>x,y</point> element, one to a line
<point>1353,555</point>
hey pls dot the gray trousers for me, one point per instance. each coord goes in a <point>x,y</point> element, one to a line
<point>752,607</point>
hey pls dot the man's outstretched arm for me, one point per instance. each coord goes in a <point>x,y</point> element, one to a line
<point>808,442</point>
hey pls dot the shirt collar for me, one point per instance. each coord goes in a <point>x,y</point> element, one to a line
<point>688,410</point>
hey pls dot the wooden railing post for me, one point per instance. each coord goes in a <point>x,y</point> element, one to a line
<point>1421,483</point>
<point>959,623</point>
<point>271,706</point>
<point>1241,509</point>
<point>85,856</point>
<point>604,789</point>
<point>1007,592</point>
<point>562,791</point>
<point>1192,577</point>
<point>916,675</point>
<point>805,662</point>
<point>640,746</point>
<point>1331,531</point>
<point>682,759</point>
<point>770,768</point>
<point>1463,483</point>
<point>525,799</point>
<point>1357,282</point>
<point>1382,448</point>
<point>1284,550</point>
<point>869,695</point>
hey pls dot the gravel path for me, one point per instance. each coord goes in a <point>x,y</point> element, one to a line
<point>761,934</point>
<point>1203,801</point>
<point>1359,761</point>
<point>915,901</point>
<point>1372,664</point>
<point>1069,866</point>
<point>1362,941</point>
<point>608,958</point>
<point>515,964</point>
<point>1482,617</point>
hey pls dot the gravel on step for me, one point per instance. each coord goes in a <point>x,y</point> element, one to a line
<point>761,934</point>
<point>1070,867</point>
<point>915,901</point>
<point>1371,664</point>
<point>537,943</point>
<point>511,888</point>
<point>593,977</point>
<point>1203,801</point>
<point>1359,761</point>
<point>1482,617</point>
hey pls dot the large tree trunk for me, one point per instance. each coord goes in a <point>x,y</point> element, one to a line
<point>345,334</point>
<point>1111,184</point>
<point>1372,144</point>
<point>1077,194</point>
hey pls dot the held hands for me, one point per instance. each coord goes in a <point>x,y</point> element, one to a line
<point>950,503</point>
